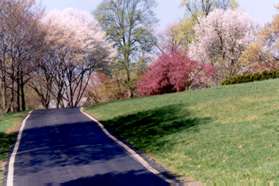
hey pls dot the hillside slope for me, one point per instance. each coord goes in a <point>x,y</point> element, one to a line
<point>214,135</point>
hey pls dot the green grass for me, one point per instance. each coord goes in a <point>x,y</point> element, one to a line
<point>9,124</point>
<point>225,134</point>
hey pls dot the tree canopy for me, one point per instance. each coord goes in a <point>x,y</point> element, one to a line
<point>220,39</point>
<point>129,25</point>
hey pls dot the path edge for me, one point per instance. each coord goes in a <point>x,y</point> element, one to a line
<point>10,170</point>
<point>133,154</point>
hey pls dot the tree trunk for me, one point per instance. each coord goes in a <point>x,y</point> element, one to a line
<point>2,94</point>
<point>5,104</point>
<point>23,103</point>
<point>46,104</point>
<point>71,97</point>
<point>18,92</point>
<point>58,101</point>
<point>4,85</point>
<point>130,88</point>
<point>11,107</point>
<point>128,76</point>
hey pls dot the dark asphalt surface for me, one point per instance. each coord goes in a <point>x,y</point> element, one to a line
<point>64,147</point>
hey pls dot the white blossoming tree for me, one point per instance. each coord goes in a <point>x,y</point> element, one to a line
<point>221,38</point>
<point>75,48</point>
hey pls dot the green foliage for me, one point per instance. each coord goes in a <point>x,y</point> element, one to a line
<point>197,8</point>
<point>220,135</point>
<point>260,76</point>
<point>183,32</point>
<point>129,24</point>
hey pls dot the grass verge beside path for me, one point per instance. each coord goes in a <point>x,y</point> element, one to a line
<point>219,135</point>
<point>9,126</point>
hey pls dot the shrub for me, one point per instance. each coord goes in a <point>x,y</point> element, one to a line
<point>245,78</point>
<point>104,88</point>
<point>171,72</point>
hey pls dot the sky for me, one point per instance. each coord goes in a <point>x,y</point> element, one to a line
<point>170,11</point>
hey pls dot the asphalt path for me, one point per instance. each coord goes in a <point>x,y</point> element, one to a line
<point>64,147</point>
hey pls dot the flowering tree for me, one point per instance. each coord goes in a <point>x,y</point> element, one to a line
<point>221,37</point>
<point>76,47</point>
<point>268,39</point>
<point>172,72</point>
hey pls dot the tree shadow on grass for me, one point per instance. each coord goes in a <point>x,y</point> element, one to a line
<point>6,143</point>
<point>145,130</point>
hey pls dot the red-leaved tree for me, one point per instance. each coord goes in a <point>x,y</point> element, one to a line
<point>173,72</point>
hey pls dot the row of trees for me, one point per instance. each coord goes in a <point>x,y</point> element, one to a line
<point>53,55</point>
<point>219,35</point>
<point>130,25</point>
<point>62,58</point>
<point>75,48</point>
<point>20,48</point>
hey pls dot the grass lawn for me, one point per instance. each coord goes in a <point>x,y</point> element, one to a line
<point>225,134</point>
<point>9,125</point>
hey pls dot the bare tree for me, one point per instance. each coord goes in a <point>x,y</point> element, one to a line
<point>20,46</point>
<point>195,8</point>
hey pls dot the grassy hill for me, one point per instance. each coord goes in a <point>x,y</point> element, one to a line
<point>224,134</point>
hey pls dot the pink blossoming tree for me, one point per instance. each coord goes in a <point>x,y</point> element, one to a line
<point>173,72</point>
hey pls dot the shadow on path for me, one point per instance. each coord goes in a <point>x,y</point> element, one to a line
<point>112,179</point>
<point>65,147</point>
<point>62,145</point>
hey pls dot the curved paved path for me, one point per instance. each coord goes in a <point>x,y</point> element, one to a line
<point>64,147</point>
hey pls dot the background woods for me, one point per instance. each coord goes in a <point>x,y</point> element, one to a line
<point>70,58</point>
<point>50,54</point>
